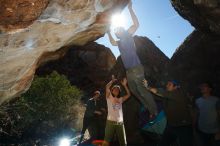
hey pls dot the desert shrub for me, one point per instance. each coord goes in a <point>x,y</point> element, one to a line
<point>48,107</point>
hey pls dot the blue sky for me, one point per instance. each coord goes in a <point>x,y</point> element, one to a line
<point>159,22</point>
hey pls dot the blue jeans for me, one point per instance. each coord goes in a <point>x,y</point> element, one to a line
<point>135,77</point>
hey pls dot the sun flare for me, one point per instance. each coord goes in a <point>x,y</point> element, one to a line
<point>117,20</point>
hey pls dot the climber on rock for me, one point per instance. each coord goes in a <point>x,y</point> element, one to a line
<point>132,63</point>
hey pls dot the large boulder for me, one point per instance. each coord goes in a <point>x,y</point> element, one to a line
<point>32,32</point>
<point>202,14</point>
<point>196,61</point>
<point>86,66</point>
<point>14,13</point>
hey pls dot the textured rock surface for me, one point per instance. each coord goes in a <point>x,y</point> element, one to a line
<point>197,60</point>
<point>14,13</point>
<point>152,58</point>
<point>202,14</point>
<point>60,23</point>
<point>87,67</point>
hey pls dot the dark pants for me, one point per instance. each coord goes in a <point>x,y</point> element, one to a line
<point>89,123</point>
<point>98,127</point>
<point>182,135</point>
<point>135,77</point>
<point>101,126</point>
<point>206,139</point>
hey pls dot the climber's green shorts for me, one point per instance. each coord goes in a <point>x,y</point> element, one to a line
<point>117,128</point>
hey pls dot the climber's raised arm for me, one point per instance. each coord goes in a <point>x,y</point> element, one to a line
<point>135,25</point>
<point>111,39</point>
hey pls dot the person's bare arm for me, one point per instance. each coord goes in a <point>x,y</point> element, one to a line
<point>135,25</point>
<point>98,112</point>
<point>124,82</point>
<point>103,110</point>
<point>153,90</point>
<point>107,87</point>
<point>111,39</point>
<point>159,96</point>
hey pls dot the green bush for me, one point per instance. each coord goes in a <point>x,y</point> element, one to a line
<point>49,105</point>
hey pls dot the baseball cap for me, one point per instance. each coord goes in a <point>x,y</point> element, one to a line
<point>175,82</point>
<point>116,86</point>
<point>97,92</point>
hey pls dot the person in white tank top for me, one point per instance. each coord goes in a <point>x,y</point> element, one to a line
<point>114,124</point>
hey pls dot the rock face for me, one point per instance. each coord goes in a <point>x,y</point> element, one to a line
<point>86,66</point>
<point>32,30</point>
<point>197,60</point>
<point>14,13</point>
<point>152,58</point>
<point>202,14</point>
